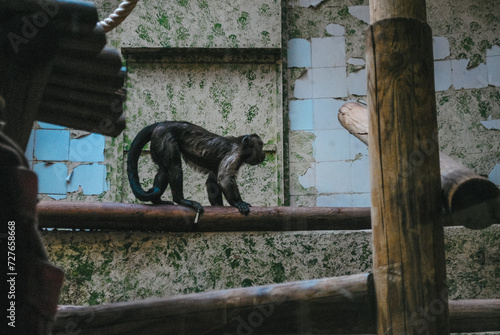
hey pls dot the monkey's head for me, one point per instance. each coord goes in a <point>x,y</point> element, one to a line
<point>253,152</point>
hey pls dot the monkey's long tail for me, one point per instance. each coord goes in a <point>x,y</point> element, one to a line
<point>142,138</point>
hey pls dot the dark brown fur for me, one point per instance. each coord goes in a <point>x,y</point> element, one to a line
<point>220,157</point>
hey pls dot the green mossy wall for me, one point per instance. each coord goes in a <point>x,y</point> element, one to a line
<point>110,266</point>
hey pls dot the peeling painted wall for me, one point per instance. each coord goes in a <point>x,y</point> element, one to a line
<point>326,67</point>
<point>110,266</point>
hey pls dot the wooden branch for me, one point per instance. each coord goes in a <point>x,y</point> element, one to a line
<point>474,199</point>
<point>120,216</point>
<point>321,306</point>
<point>408,237</point>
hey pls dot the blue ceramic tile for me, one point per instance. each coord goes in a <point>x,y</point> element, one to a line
<point>51,145</point>
<point>334,200</point>
<point>360,175</point>
<point>494,175</point>
<point>326,114</point>
<point>333,177</point>
<point>361,200</point>
<point>45,125</point>
<point>299,53</point>
<point>301,115</point>
<point>92,179</point>
<point>51,177</point>
<point>442,75</point>
<point>30,148</point>
<point>87,149</point>
<point>331,145</point>
<point>329,82</point>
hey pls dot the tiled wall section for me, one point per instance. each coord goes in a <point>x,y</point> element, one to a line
<point>336,170</point>
<point>338,167</point>
<point>67,161</point>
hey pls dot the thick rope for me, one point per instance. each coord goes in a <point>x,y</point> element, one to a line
<point>118,16</point>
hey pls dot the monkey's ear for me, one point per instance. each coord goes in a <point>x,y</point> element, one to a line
<point>246,140</point>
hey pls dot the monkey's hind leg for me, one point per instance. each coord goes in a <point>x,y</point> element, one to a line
<point>175,175</point>
<point>161,183</point>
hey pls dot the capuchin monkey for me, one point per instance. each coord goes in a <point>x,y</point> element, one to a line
<point>220,157</point>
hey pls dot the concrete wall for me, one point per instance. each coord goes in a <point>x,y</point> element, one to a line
<point>110,266</point>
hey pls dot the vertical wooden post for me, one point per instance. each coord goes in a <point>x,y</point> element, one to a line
<point>409,266</point>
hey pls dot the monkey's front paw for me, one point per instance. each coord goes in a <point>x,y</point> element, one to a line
<point>243,207</point>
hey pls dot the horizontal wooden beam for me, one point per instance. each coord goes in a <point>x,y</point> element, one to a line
<point>121,216</point>
<point>320,306</point>
<point>142,217</point>
<point>341,305</point>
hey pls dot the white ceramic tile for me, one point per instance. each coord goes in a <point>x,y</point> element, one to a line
<point>494,51</point>
<point>493,65</point>
<point>335,200</point>
<point>357,82</point>
<point>304,86</point>
<point>440,47</point>
<point>494,175</point>
<point>329,83</point>
<point>357,147</point>
<point>326,114</point>
<point>331,145</point>
<point>356,61</point>
<point>328,52</point>
<point>335,29</point>
<point>361,200</point>
<point>299,53</point>
<point>360,12</point>
<point>301,115</point>
<point>442,75</point>
<point>309,178</point>
<point>476,77</point>
<point>333,177</point>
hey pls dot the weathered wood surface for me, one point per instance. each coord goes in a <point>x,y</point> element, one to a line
<point>474,315</point>
<point>409,265</point>
<point>340,305</point>
<point>387,9</point>
<point>474,199</point>
<point>120,216</point>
